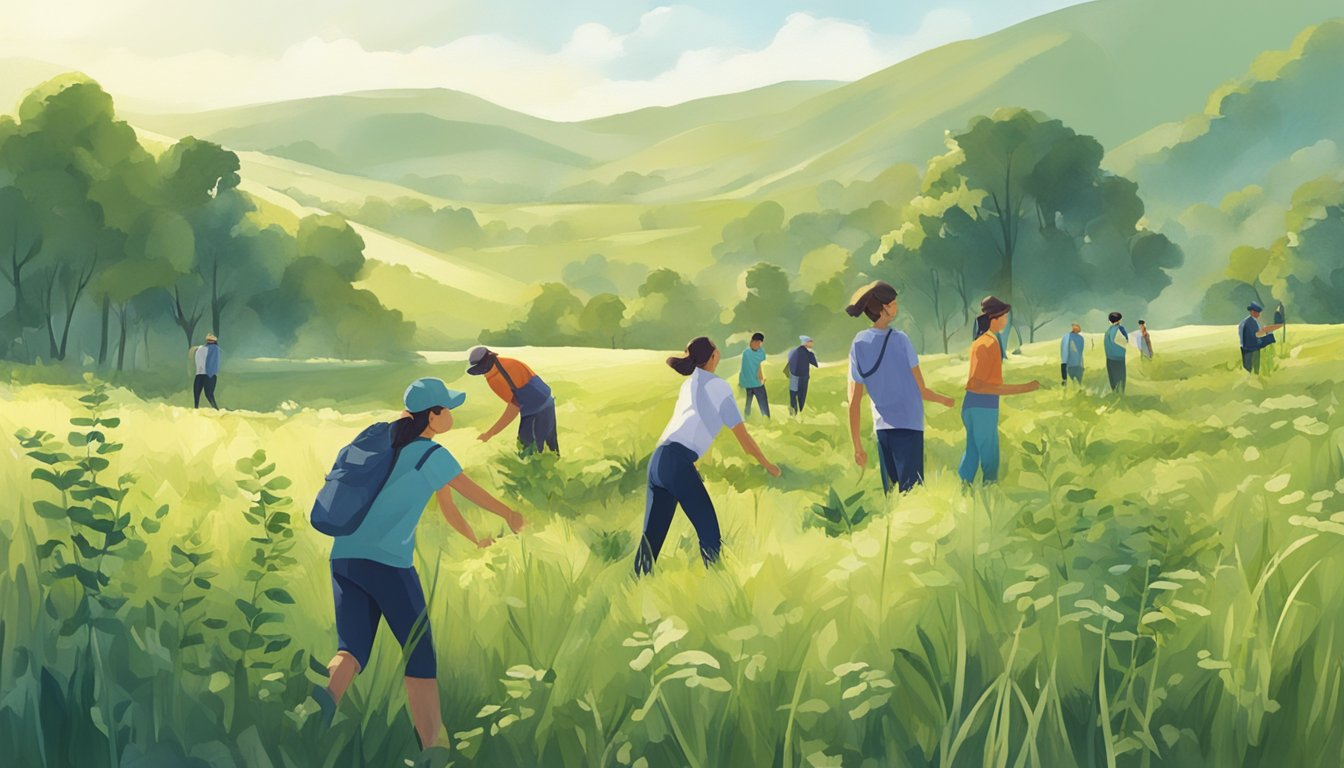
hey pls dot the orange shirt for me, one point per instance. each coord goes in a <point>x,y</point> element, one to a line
<point>519,372</point>
<point>986,360</point>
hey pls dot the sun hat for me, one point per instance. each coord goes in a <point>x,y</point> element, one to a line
<point>209,337</point>
<point>480,360</point>
<point>992,307</point>
<point>427,393</point>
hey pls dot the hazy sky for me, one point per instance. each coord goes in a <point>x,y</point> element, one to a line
<point>562,60</point>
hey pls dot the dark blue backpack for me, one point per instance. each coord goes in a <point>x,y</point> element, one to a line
<point>359,474</point>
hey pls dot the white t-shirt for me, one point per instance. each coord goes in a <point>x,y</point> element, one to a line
<point>704,406</point>
<point>202,352</point>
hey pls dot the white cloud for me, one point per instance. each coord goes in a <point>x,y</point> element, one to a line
<point>574,82</point>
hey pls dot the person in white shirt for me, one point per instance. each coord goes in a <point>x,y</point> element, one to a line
<point>704,406</point>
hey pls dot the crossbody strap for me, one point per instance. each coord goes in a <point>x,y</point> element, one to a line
<point>880,355</point>
<point>508,379</point>
<point>425,457</point>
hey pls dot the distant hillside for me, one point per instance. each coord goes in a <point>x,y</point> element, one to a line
<point>1277,126</point>
<point>1111,68</point>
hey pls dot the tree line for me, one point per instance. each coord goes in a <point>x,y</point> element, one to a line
<point>113,251</point>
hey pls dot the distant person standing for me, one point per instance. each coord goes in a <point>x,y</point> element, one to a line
<point>883,364</point>
<point>1144,342</point>
<point>1117,339</point>
<point>984,386</point>
<point>206,357</point>
<point>525,395</point>
<point>752,376</point>
<point>1071,355</point>
<point>1254,337</point>
<point>800,365</point>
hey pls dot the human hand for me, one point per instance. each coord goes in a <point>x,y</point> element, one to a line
<point>947,401</point>
<point>485,542</point>
<point>485,436</point>
<point>1033,385</point>
<point>860,457</point>
<point>772,469</point>
<point>515,521</point>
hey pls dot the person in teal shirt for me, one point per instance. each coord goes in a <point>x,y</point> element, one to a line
<point>373,577</point>
<point>1115,352</point>
<point>752,376</point>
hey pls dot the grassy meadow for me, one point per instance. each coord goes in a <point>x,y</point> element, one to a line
<point>1152,583</point>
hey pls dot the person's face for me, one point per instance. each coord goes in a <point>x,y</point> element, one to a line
<point>997,324</point>
<point>891,310</point>
<point>807,344</point>
<point>756,344</point>
<point>1077,328</point>
<point>440,422</point>
<point>1255,313</point>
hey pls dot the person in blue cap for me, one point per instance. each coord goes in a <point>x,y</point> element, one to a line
<point>800,365</point>
<point>373,576</point>
<point>1254,337</point>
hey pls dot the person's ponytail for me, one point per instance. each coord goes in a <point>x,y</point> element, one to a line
<point>698,353</point>
<point>981,326</point>
<point>406,429</point>
<point>870,300</point>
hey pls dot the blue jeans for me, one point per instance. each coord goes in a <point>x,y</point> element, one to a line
<point>902,458</point>
<point>538,431</point>
<point>366,591</point>
<point>982,444</point>
<point>759,394</point>
<point>673,480</point>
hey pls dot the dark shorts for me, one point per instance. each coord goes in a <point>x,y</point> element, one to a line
<point>367,591</point>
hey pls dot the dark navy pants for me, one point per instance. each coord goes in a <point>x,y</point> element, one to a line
<point>798,397</point>
<point>1115,370</point>
<point>538,431</point>
<point>758,394</point>
<point>206,384</point>
<point>673,480</point>
<point>902,454</point>
<point>367,591</point>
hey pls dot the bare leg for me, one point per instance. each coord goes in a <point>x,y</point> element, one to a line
<point>341,670</point>
<point>423,694</point>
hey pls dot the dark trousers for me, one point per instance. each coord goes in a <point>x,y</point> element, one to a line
<point>759,394</point>
<point>1115,369</point>
<point>1063,373</point>
<point>1076,373</point>
<point>1250,360</point>
<point>367,591</point>
<point>798,397</point>
<point>673,480</point>
<point>902,458</point>
<point>537,432</point>
<point>205,384</point>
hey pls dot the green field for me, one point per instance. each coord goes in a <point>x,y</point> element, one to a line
<point>1152,583</point>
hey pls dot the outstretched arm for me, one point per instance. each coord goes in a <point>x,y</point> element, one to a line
<point>510,413</point>
<point>482,498</point>
<point>749,445</point>
<point>454,517</point>
<point>929,394</point>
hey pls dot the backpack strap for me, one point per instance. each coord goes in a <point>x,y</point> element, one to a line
<point>426,455</point>
<point>880,355</point>
<point>507,379</point>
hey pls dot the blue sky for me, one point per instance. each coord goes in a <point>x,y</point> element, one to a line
<point>564,60</point>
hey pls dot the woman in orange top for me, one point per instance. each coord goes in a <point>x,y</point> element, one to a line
<point>980,409</point>
<point>526,396</point>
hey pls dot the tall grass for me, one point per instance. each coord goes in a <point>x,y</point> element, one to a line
<point>1152,583</point>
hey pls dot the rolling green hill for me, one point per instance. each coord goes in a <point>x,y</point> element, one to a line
<point>1112,69</point>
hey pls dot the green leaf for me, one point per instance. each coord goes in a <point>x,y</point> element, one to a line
<point>244,640</point>
<point>213,623</point>
<point>279,595</point>
<point>48,510</point>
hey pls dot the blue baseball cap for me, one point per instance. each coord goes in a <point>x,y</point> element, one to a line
<point>1254,306</point>
<point>427,393</point>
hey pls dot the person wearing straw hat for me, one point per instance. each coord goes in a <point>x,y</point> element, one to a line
<point>373,574</point>
<point>1254,337</point>
<point>206,358</point>
<point>799,367</point>
<point>984,386</point>
<point>526,397</point>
